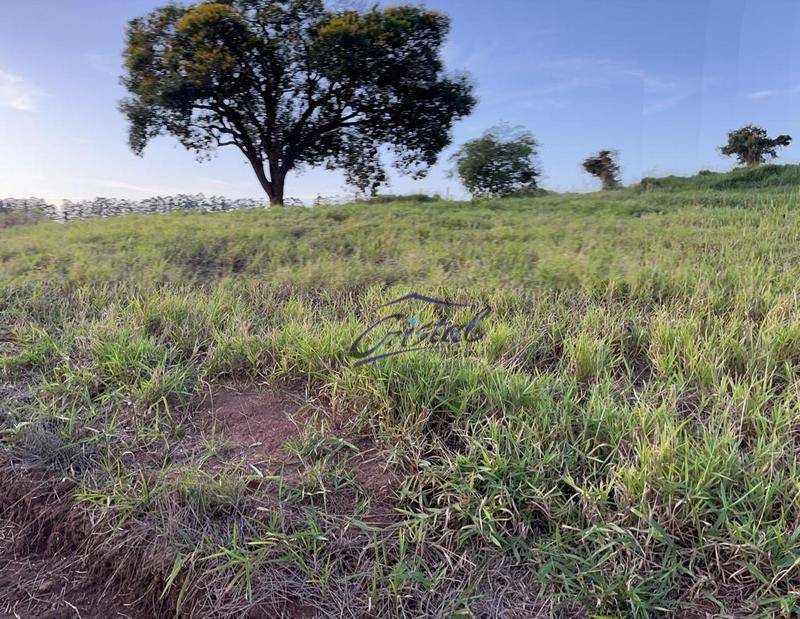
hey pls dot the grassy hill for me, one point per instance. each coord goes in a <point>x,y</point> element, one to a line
<point>623,441</point>
<point>764,178</point>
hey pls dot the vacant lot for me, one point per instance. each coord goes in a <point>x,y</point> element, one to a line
<point>181,421</point>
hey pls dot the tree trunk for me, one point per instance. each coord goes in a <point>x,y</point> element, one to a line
<point>276,197</point>
<point>273,188</point>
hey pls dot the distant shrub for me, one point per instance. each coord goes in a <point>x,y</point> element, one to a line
<point>18,218</point>
<point>649,183</point>
<point>752,147</point>
<point>762,176</point>
<point>386,198</point>
<point>604,166</point>
<point>755,177</point>
<point>500,162</point>
<point>37,208</point>
<point>528,192</point>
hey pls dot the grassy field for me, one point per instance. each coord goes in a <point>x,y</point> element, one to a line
<point>623,442</point>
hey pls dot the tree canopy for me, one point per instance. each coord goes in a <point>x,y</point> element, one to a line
<point>499,163</point>
<point>293,84</point>
<point>604,166</point>
<point>751,146</point>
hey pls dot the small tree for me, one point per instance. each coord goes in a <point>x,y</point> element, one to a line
<point>604,166</point>
<point>291,83</point>
<point>751,146</point>
<point>500,162</point>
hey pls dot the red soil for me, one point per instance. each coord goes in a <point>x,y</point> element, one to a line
<point>43,572</point>
<point>256,424</point>
<point>46,567</point>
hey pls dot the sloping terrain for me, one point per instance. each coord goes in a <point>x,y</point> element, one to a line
<point>183,428</point>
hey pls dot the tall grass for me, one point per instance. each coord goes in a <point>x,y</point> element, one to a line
<point>622,442</point>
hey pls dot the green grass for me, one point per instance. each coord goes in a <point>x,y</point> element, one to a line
<point>623,442</point>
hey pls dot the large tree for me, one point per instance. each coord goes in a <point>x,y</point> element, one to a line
<point>751,146</point>
<point>292,84</point>
<point>604,166</point>
<point>499,163</point>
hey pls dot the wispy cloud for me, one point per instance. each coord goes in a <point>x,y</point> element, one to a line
<point>17,93</point>
<point>222,183</point>
<point>152,190</point>
<point>658,93</point>
<point>661,95</point>
<point>776,92</point>
<point>553,83</point>
<point>654,107</point>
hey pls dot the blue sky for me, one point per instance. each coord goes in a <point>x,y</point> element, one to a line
<point>662,82</point>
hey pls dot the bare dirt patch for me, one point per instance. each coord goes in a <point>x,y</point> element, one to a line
<point>56,560</point>
<point>255,425</point>
<point>52,585</point>
<point>380,481</point>
<point>251,426</point>
<point>259,423</point>
<point>44,571</point>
